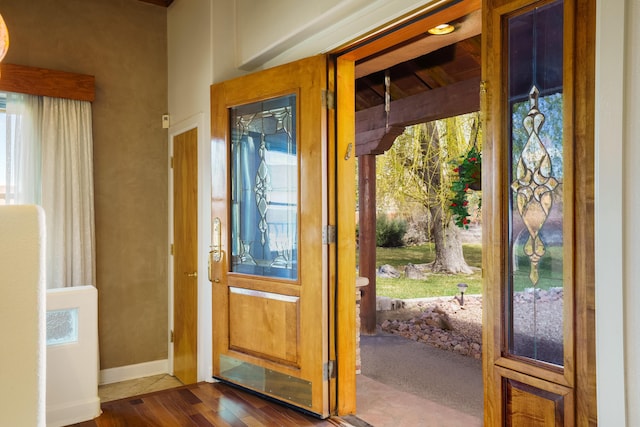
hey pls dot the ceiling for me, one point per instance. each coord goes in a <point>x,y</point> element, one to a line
<point>421,65</point>
<point>450,64</point>
<point>416,66</point>
<point>430,77</point>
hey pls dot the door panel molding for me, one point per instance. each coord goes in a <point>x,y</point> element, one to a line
<point>280,314</point>
<point>543,404</point>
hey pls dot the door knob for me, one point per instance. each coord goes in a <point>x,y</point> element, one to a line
<point>194,274</point>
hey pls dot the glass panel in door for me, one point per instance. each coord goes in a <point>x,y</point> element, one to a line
<point>264,180</point>
<point>535,283</point>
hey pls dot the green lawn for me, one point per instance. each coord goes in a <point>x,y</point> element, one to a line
<point>422,254</point>
<point>436,284</point>
<point>550,272</point>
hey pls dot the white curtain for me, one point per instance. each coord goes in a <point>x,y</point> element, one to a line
<point>52,164</point>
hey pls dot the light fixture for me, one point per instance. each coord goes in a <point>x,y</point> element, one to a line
<point>462,287</point>
<point>4,38</point>
<point>441,29</point>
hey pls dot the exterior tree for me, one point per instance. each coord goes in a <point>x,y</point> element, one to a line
<point>416,170</point>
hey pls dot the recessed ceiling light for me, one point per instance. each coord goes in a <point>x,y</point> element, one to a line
<point>441,29</point>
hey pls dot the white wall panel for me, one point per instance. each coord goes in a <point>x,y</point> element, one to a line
<point>631,206</point>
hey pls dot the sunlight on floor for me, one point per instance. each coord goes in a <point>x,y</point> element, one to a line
<point>136,387</point>
<point>378,404</point>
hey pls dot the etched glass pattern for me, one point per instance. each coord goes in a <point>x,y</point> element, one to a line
<point>534,305</point>
<point>264,188</point>
<point>62,326</point>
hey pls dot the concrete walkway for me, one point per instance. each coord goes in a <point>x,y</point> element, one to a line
<point>431,386</point>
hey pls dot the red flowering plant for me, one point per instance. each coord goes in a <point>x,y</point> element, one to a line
<point>467,176</point>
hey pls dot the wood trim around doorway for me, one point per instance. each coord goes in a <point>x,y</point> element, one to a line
<point>386,38</point>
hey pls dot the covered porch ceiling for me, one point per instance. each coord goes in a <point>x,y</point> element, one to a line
<point>430,77</point>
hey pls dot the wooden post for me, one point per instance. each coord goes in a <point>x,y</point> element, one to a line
<point>367,240</point>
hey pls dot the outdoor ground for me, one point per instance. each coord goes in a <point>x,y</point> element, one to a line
<point>441,322</point>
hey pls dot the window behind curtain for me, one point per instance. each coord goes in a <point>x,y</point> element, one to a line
<point>46,158</point>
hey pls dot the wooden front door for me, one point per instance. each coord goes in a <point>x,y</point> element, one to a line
<point>269,263</point>
<point>185,256</point>
<point>537,102</point>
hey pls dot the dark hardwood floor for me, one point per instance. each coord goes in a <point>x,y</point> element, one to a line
<point>202,404</point>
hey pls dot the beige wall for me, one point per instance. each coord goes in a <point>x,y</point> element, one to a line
<point>123,43</point>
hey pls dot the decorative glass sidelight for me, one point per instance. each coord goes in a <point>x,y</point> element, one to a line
<point>534,303</point>
<point>264,188</point>
<point>534,186</point>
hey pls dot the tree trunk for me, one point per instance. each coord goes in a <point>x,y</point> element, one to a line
<point>446,236</point>
<point>448,247</point>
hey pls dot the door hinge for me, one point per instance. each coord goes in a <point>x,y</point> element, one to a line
<point>171,336</point>
<point>329,370</point>
<point>171,249</point>
<point>171,162</point>
<point>328,99</point>
<point>328,234</point>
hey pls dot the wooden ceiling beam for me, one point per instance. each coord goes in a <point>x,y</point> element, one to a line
<point>164,3</point>
<point>377,141</point>
<point>373,134</point>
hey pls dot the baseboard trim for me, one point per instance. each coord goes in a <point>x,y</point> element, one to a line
<point>130,372</point>
<point>74,412</point>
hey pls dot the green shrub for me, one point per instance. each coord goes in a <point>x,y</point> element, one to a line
<point>390,232</point>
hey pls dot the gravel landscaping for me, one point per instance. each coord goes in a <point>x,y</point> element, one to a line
<point>443,323</point>
<point>440,322</point>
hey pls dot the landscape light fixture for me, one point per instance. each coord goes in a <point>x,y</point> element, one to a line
<point>462,287</point>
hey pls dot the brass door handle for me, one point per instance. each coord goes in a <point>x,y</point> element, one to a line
<point>194,274</point>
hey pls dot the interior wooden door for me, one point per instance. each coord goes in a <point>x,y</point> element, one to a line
<point>537,102</point>
<point>185,256</point>
<point>269,259</point>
